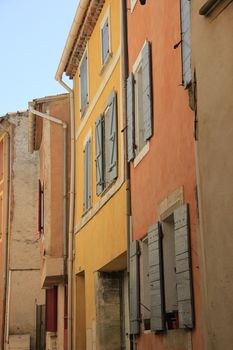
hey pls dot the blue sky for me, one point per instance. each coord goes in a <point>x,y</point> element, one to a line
<point>32,37</point>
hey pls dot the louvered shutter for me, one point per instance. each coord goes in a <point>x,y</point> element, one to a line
<point>99,155</point>
<point>105,41</point>
<point>130,116</point>
<point>39,207</point>
<point>156,278</point>
<point>147,91</point>
<point>186,46</point>
<point>112,137</point>
<point>87,175</point>
<point>134,295</point>
<point>183,267</point>
<point>83,84</point>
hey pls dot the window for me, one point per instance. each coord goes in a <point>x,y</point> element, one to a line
<point>166,300</point>
<point>105,38</point>
<point>83,78</point>
<point>139,104</point>
<point>185,43</point>
<point>106,145</point>
<point>87,175</point>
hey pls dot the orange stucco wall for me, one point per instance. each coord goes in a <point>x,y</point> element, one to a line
<point>170,162</point>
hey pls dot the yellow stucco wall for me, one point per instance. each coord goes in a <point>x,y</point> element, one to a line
<point>102,237</point>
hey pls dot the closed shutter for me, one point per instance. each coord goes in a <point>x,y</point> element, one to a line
<point>156,277</point>
<point>105,41</point>
<point>130,116</point>
<point>147,91</point>
<point>112,137</point>
<point>183,267</point>
<point>186,46</point>
<point>134,295</point>
<point>83,84</point>
<point>99,155</point>
<point>87,175</point>
<point>39,207</point>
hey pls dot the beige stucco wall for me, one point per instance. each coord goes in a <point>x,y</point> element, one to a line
<point>24,258</point>
<point>212,58</point>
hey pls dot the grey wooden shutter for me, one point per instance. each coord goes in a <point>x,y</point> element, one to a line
<point>87,175</point>
<point>85,189</point>
<point>183,267</point>
<point>112,137</point>
<point>134,288</point>
<point>83,84</point>
<point>147,91</point>
<point>99,155</point>
<point>186,46</point>
<point>105,41</point>
<point>156,278</point>
<point>130,117</point>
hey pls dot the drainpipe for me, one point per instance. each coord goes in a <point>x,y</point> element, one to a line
<point>127,164</point>
<point>64,125</point>
<point>58,77</point>
<point>6,232</point>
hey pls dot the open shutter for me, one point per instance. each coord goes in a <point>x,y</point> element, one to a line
<point>99,155</point>
<point>85,194</point>
<point>134,288</point>
<point>183,267</point>
<point>89,167</point>
<point>186,46</point>
<point>147,91</point>
<point>112,137</point>
<point>105,41</point>
<point>156,278</point>
<point>83,84</point>
<point>130,116</point>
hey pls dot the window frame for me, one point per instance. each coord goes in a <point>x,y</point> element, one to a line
<point>145,149</point>
<point>105,19</point>
<point>82,112</point>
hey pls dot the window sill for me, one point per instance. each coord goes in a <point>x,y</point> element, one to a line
<point>141,154</point>
<point>86,211</point>
<point>107,188</point>
<point>108,59</point>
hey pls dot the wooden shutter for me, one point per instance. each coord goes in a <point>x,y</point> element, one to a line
<point>112,137</point>
<point>147,91</point>
<point>186,45</point>
<point>87,175</point>
<point>105,41</point>
<point>99,155</point>
<point>134,288</point>
<point>83,84</point>
<point>130,116</point>
<point>39,207</point>
<point>156,278</point>
<point>183,267</point>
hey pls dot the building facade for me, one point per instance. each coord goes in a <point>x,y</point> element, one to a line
<point>165,302</point>
<point>100,263</point>
<point>212,66</point>
<point>48,138</point>
<point>20,291</point>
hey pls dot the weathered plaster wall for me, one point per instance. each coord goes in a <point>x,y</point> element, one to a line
<point>24,258</point>
<point>212,46</point>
